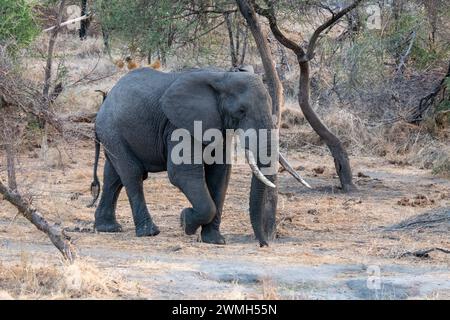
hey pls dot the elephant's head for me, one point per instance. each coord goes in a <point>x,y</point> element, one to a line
<point>228,100</point>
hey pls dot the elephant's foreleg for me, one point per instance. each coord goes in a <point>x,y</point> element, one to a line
<point>191,181</point>
<point>105,215</point>
<point>217,178</point>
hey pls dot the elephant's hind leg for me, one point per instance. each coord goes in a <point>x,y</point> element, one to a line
<point>142,220</point>
<point>105,215</point>
<point>217,178</point>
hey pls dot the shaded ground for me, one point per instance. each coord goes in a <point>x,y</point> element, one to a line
<point>329,245</point>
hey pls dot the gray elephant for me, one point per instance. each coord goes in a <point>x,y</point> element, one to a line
<point>135,124</point>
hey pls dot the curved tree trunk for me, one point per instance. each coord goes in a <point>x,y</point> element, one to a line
<point>337,150</point>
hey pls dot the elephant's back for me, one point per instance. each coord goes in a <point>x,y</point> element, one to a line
<point>134,96</point>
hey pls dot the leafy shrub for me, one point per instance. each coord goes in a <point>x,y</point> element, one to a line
<point>17,24</point>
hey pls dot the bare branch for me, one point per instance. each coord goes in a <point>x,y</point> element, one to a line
<point>328,24</point>
<point>56,235</point>
<point>65,23</point>
<point>269,13</point>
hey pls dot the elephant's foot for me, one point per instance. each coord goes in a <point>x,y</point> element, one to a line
<point>187,223</point>
<point>211,235</point>
<point>147,229</point>
<point>108,227</point>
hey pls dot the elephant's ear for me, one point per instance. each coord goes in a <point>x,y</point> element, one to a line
<point>193,97</point>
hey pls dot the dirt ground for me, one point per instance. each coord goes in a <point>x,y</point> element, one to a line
<point>329,245</point>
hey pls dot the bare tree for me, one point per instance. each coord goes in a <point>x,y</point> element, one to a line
<point>46,96</point>
<point>304,55</point>
<point>18,97</point>
<point>238,36</point>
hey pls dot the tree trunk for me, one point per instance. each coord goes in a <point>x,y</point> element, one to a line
<point>11,165</point>
<point>304,56</point>
<point>244,47</point>
<point>337,150</point>
<point>233,56</point>
<point>273,81</point>
<point>84,23</point>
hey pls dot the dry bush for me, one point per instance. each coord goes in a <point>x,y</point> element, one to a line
<point>80,280</point>
<point>269,290</point>
<point>401,143</point>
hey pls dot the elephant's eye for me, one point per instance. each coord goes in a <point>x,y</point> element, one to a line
<point>241,112</point>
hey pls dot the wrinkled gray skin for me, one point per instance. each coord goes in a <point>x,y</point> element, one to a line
<point>135,124</point>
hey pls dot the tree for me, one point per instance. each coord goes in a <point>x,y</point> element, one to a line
<point>304,56</point>
<point>238,36</point>
<point>147,26</point>
<point>17,24</point>
<point>17,96</point>
<point>84,25</point>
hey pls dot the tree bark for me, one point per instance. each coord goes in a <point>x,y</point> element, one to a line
<point>233,56</point>
<point>56,235</point>
<point>273,81</point>
<point>333,143</point>
<point>84,23</point>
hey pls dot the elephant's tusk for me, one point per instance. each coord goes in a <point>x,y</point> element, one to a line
<point>258,174</point>
<point>291,170</point>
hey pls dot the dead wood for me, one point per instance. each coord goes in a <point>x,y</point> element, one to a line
<point>424,253</point>
<point>57,236</point>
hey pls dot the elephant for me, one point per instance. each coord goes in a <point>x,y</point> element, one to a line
<point>135,125</point>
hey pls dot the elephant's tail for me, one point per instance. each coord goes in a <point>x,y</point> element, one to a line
<point>95,185</point>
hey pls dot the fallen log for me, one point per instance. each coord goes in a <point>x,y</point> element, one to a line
<point>57,236</point>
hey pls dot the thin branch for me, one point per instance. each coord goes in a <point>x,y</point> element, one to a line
<point>404,57</point>
<point>269,13</point>
<point>328,24</point>
<point>65,23</point>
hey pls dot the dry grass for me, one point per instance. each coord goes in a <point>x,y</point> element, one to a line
<point>81,280</point>
<point>401,143</point>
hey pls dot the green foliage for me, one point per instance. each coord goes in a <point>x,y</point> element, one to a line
<point>424,52</point>
<point>17,24</point>
<point>143,24</point>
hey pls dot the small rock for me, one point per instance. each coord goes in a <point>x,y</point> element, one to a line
<point>313,212</point>
<point>362,175</point>
<point>319,170</point>
<point>75,196</point>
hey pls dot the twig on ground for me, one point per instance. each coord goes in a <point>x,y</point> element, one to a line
<point>424,253</point>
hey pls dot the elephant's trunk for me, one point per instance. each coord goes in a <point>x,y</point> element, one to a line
<point>261,212</point>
